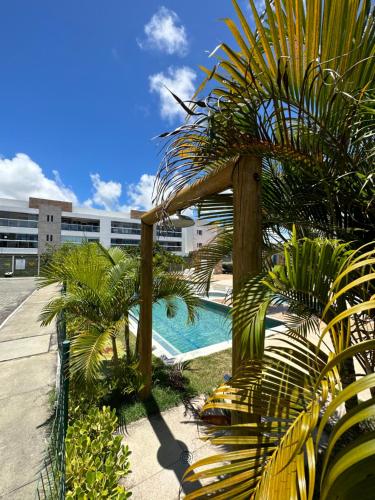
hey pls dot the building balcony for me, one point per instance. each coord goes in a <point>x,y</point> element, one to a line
<point>124,230</point>
<point>18,223</point>
<point>117,242</point>
<point>85,228</point>
<point>18,244</point>
<point>77,239</point>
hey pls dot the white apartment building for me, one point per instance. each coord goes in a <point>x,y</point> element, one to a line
<point>28,228</point>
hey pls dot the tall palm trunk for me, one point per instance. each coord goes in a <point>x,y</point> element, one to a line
<point>127,336</point>
<point>114,351</point>
<point>137,341</point>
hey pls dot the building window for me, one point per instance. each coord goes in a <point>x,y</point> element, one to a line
<point>199,245</point>
<point>47,237</point>
<point>199,232</point>
<point>18,219</point>
<point>77,239</point>
<point>47,218</point>
<point>171,246</point>
<point>87,226</point>
<point>119,242</point>
<point>125,227</point>
<point>13,240</point>
<point>50,237</point>
<point>174,232</point>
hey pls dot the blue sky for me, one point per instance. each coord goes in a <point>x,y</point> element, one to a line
<point>81,93</point>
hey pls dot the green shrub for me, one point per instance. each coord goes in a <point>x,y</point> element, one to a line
<point>95,458</point>
<point>125,378</point>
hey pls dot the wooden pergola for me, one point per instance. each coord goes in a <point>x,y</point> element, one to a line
<point>243,176</point>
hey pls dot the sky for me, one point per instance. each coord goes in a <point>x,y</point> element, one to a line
<point>83,93</point>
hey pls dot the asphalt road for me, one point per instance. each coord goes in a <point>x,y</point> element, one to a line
<point>12,292</point>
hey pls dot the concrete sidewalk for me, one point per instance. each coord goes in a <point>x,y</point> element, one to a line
<point>27,375</point>
<point>162,447</point>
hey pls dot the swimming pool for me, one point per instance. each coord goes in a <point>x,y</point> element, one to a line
<point>212,327</point>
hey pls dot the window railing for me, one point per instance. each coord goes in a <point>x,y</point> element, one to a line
<point>168,232</point>
<point>65,226</point>
<point>18,223</point>
<point>173,249</point>
<point>18,244</point>
<point>77,239</point>
<point>118,243</point>
<point>125,230</point>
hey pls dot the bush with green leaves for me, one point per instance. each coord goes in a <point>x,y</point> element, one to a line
<point>95,458</point>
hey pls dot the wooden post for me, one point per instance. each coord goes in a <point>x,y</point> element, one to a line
<point>247,234</point>
<point>145,314</point>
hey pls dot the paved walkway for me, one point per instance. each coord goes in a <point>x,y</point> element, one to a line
<point>27,374</point>
<point>13,291</point>
<point>162,447</point>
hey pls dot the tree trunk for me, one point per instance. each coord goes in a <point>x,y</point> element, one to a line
<point>137,342</point>
<point>247,250</point>
<point>114,351</point>
<point>127,337</point>
<point>145,313</point>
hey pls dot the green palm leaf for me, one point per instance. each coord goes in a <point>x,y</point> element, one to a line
<point>293,391</point>
<point>297,91</point>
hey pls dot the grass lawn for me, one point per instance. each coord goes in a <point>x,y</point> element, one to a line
<point>201,377</point>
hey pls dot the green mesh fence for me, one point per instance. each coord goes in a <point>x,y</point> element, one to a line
<point>51,484</point>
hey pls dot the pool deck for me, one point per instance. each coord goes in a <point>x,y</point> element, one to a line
<point>162,447</point>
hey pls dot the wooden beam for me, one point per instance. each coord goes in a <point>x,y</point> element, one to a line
<point>247,234</point>
<point>145,314</point>
<point>213,183</point>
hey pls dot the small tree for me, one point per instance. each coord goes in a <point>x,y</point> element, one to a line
<point>102,288</point>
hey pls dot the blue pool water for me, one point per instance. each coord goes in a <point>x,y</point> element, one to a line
<point>212,326</point>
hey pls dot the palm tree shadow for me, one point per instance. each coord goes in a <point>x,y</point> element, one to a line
<point>177,464</point>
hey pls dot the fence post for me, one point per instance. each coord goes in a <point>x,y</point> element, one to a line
<point>65,378</point>
<point>63,326</point>
<point>65,352</point>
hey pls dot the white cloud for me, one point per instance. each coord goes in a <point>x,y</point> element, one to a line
<point>180,81</point>
<point>106,193</point>
<point>165,33</point>
<point>21,177</point>
<point>115,54</point>
<point>139,195</point>
<point>260,6</point>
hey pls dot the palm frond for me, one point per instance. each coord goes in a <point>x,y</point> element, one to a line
<point>301,102</point>
<point>87,355</point>
<point>302,284</point>
<point>206,258</point>
<point>281,391</point>
<point>295,390</point>
<point>170,286</point>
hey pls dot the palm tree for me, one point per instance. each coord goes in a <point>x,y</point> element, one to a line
<point>102,288</point>
<point>300,445</point>
<point>296,91</point>
<point>304,105</point>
